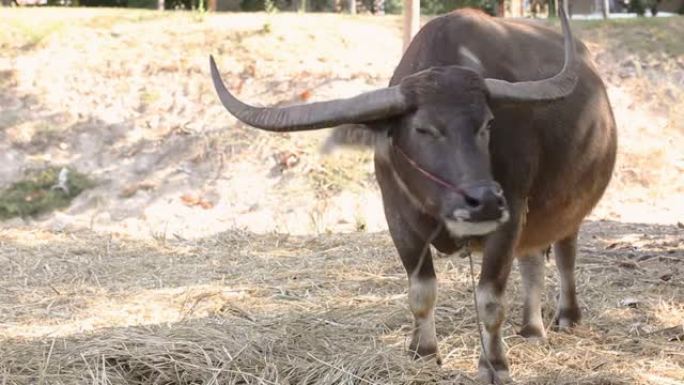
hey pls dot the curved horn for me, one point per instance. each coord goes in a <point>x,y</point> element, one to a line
<point>553,88</point>
<point>366,107</point>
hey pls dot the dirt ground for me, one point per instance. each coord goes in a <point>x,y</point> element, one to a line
<point>175,268</point>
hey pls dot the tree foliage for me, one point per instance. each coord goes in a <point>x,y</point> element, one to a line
<point>433,7</point>
<point>430,7</point>
<point>640,6</point>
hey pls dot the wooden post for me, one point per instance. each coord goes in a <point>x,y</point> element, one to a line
<point>606,9</point>
<point>411,20</point>
<point>352,7</point>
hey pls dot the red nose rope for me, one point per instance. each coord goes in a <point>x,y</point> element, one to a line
<point>427,173</point>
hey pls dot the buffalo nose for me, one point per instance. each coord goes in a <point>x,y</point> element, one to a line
<point>484,203</point>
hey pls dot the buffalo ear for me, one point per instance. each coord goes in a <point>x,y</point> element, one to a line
<point>359,135</point>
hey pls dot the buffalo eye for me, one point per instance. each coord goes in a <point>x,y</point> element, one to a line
<point>428,131</point>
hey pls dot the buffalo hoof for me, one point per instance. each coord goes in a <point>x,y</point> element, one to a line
<point>486,376</point>
<point>533,333</point>
<point>567,319</point>
<point>426,352</point>
<point>500,374</point>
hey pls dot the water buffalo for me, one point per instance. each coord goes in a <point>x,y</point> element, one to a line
<point>494,131</point>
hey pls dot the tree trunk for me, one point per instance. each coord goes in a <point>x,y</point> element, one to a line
<point>411,20</point>
<point>566,7</point>
<point>6,3</point>
<point>654,7</point>
<point>352,7</point>
<point>211,5</point>
<point>160,5</point>
<point>605,9</point>
<point>552,6</point>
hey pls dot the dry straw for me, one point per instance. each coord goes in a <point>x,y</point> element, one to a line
<point>241,308</point>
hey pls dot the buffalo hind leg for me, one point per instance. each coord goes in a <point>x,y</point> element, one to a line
<point>565,252</point>
<point>532,271</point>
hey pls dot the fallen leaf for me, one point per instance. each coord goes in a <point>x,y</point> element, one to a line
<point>189,200</point>
<point>128,191</point>
<point>305,95</point>
<point>286,159</point>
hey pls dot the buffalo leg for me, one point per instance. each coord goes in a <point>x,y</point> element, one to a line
<point>411,247</point>
<point>569,313</point>
<point>496,267</point>
<point>532,272</point>
<point>422,294</point>
<point>422,298</point>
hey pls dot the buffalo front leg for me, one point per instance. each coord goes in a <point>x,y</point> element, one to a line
<point>422,294</point>
<point>532,271</point>
<point>496,266</point>
<point>422,297</point>
<point>414,250</point>
<point>565,252</point>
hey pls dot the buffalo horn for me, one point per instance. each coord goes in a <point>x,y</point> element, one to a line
<point>365,107</point>
<point>557,87</point>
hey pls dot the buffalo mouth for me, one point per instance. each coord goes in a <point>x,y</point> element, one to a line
<point>480,210</point>
<point>459,226</point>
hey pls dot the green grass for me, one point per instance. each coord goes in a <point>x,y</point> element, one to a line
<point>36,193</point>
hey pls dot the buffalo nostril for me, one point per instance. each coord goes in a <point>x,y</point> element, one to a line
<point>501,202</point>
<point>471,202</point>
<point>484,203</point>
